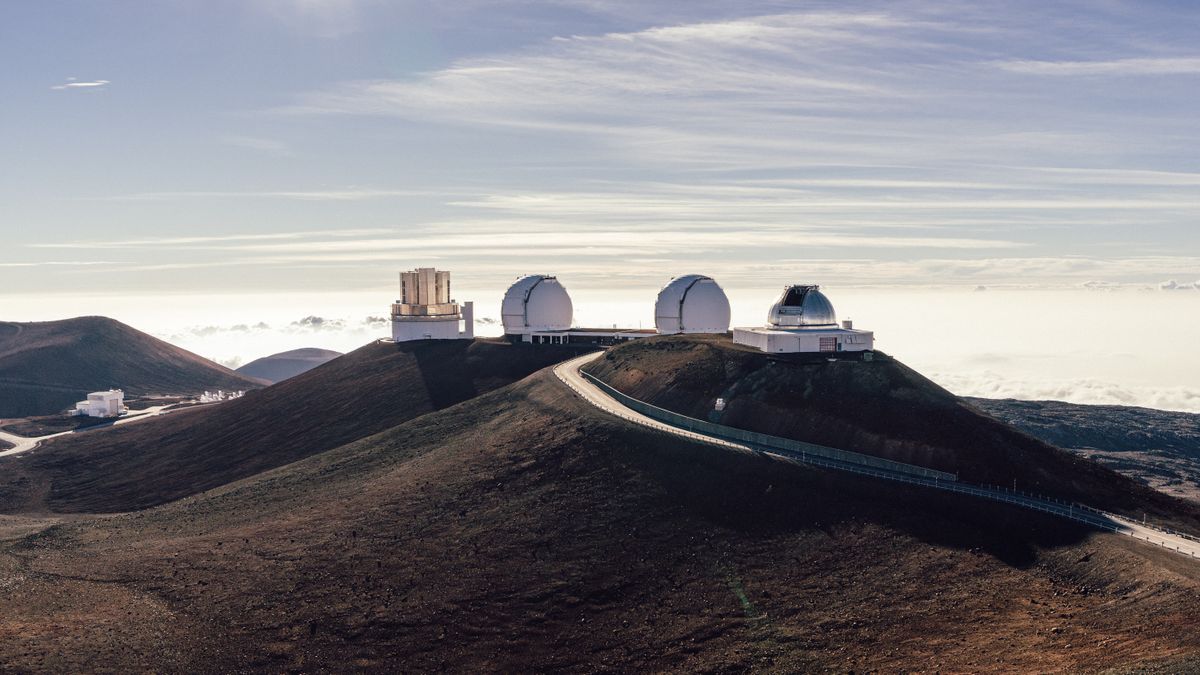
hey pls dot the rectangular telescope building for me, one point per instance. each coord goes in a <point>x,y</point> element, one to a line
<point>426,310</point>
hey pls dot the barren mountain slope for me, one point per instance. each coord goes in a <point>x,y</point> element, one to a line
<point>47,366</point>
<point>1158,447</point>
<point>525,531</point>
<point>161,459</point>
<point>877,407</point>
<point>281,366</point>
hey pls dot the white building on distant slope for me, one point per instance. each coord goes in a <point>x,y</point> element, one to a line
<point>109,403</point>
<point>219,395</point>
<point>426,310</point>
<point>804,321</point>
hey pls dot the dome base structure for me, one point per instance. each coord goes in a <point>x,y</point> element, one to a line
<point>803,321</point>
<point>419,328</point>
<point>805,340</point>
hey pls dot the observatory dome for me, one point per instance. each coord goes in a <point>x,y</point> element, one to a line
<point>536,303</point>
<point>802,306</point>
<point>692,303</point>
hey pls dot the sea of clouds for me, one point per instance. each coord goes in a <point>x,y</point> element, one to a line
<point>991,384</point>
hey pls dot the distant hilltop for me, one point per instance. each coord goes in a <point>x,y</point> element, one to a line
<point>285,365</point>
<point>47,366</point>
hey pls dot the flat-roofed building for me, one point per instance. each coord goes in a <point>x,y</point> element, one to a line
<point>109,403</point>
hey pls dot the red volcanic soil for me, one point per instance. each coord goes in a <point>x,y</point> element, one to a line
<point>46,367</point>
<point>164,458</point>
<point>879,407</point>
<point>524,531</point>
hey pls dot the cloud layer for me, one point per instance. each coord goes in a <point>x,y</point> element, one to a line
<point>991,384</point>
<point>884,143</point>
<point>73,83</point>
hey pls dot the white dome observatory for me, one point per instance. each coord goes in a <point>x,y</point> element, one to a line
<point>803,321</point>
<point>802,306</point>
<point>692,303</point>
<point>536,303</point>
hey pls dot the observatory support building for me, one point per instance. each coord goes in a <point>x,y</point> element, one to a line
<point>109,403</point>
<point>803,320</point>
<point>426,310</point>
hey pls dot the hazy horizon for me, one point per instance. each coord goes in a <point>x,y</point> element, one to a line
<point>1006,195</point>
<point>1060,345</point>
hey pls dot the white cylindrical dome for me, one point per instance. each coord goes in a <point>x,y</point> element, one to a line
<point>802,306</point>
<point>691,303</point>
<point>536,303</point>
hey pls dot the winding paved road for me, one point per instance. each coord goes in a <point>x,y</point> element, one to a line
<point>26,443</point>
<point>568,373</point>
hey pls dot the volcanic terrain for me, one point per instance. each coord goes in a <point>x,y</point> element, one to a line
<point>281,366</point>
<point>45,367</point>
<point>1158,447</point>
<point>523,530</point>
<point>879,407</point>
<point>160,459</point>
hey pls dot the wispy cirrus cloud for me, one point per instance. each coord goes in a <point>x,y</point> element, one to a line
<point>886,133</point>
<point>337,194</point>
<point>714,92</point>
<point>183,242</point>
<point>886,92</point>
<point>57,263</point>
<point>74,83</point>
<point>1126,66</point>
<point>559,79</point>
<point>646,240</point>
<point>1107,176</point>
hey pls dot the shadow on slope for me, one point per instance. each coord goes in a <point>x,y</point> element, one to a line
<point>880,407</point>
<point>525,531</point>
<point>165,458</point>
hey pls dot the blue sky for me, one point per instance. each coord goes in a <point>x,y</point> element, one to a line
<point>216,171</point>
<point>326,143</point>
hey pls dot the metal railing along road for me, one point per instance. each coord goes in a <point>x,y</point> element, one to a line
<point>843,460</point>
<point>765,440</point>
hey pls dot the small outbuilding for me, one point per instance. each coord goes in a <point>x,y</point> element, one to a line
<point>109,403</point>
